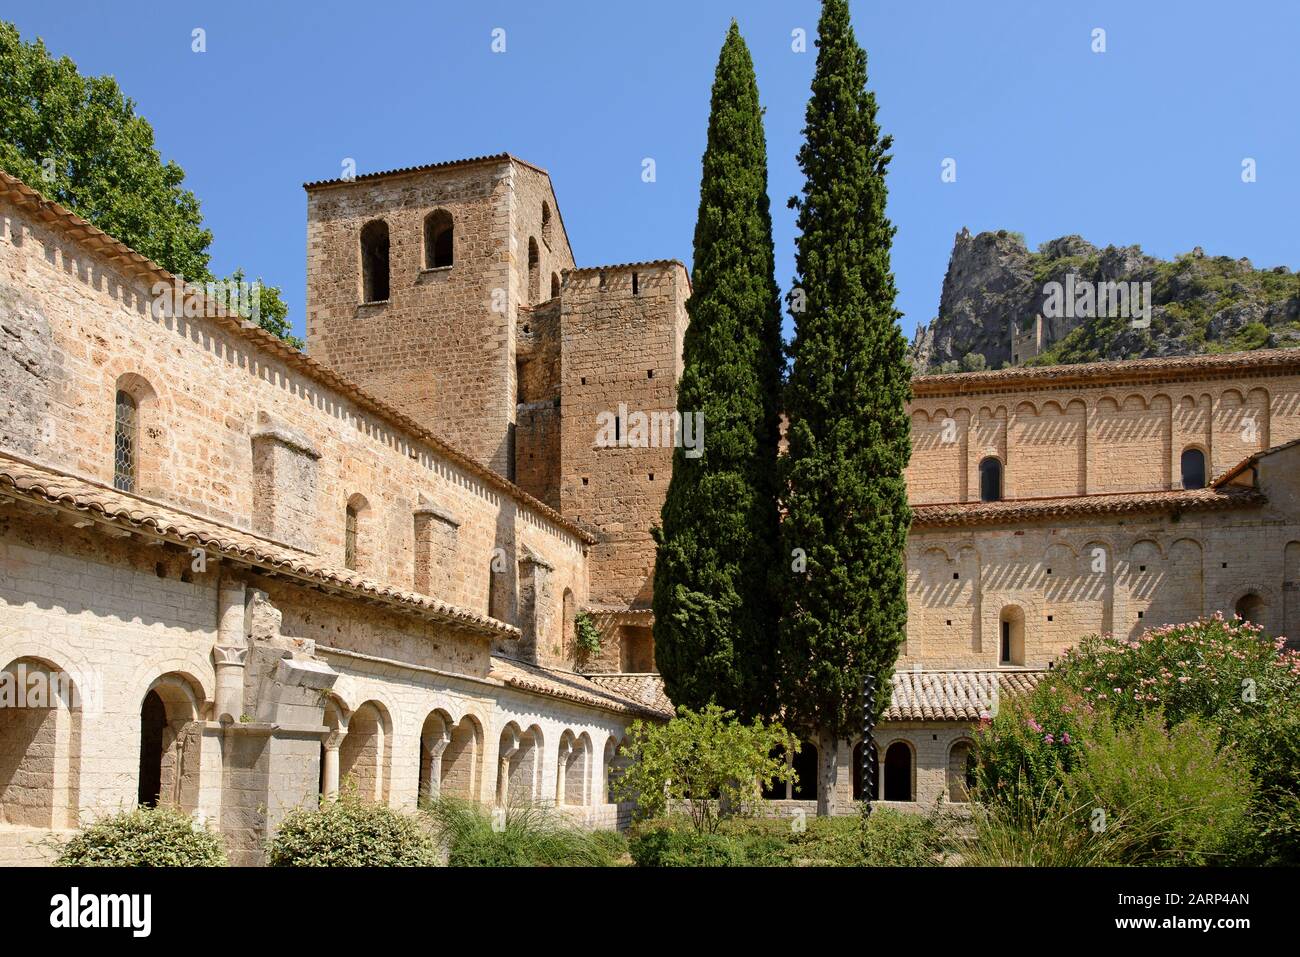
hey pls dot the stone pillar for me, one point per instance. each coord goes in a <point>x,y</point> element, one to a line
<point>330,790</point>
<point>435,550</point>
<point>562,770</point>
<point>509,745</point>
<point>535,605</point>
<point>231,651</point>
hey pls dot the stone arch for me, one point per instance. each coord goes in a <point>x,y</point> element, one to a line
<point>520,754</point>
<point>899,779</point>
<point>961,770</point>
<point>374,261</point>
<point>170,742</point>
<point>573,769</point>
<point>435,736</point>
<point>40,744</point>
<point>463,759</point>
<point>615,763</point>
<point>546,222</point>
<point>365,754</point>
<point>555,284</point>
<point>439,240</point>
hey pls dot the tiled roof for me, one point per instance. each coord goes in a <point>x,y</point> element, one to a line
<point>1175,500</point>
<point>643,263</point>
<point>1280,360</point>
<point>647,689</point>
<point>1231,473</point>
<point>954,695</point>
<point>425,167</point>
<point>82,232</point>
<point>570,686</point>
<point>49,487</point>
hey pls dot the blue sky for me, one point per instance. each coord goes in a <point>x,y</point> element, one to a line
<point>1140,144</point>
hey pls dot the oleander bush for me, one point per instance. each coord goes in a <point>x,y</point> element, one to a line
<point>164,836</point>
<point>349,832</point>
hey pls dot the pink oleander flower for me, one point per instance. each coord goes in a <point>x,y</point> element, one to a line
<point>1048,739</point>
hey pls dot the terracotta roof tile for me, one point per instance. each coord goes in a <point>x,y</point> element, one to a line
<point>1274,360</point>
<point>424,167</point>
<point>1232,472</point>
<point>44,486</point>
<point>570,686</point>
<point>647,689</point>
<point>1175,500</point>
<point>954,695</point>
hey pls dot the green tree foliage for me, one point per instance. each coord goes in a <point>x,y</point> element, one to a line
<point>715,615</point>
<point>847,513</point>
<point>164,836</point>
<point>702,760</point>
<point>78,141</point>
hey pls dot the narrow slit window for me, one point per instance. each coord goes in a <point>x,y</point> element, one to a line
<point>350,538</point>
<point>126,452</point>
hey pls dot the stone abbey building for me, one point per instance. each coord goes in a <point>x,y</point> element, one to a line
<point>237,577</point>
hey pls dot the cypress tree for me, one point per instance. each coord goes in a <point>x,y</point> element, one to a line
<point>715,615</point>
<point>845,603</point>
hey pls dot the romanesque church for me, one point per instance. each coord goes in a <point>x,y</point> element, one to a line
<point>237,577</point>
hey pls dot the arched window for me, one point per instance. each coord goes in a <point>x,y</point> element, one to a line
<point>1250,607</point>
<point>1193,467</point>
<point>991,480</point>
<point>354,544</point>
<point>534,271</point>
<point>898,772</point>
<point>438,233</point>
<point>374,261</point>
<point>546,222</point>
<point>1011,647</point>
<point>961,772</point>
<point>859,785</point>
<point>126,441</point>
<point>555,284</point>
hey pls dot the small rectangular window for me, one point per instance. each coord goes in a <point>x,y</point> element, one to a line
<point>125,435</point>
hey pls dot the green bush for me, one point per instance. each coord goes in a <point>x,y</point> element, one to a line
<point>1031,742</point>
<point>145,837</point>
<point>351,833</point>
<point>529,836</point>
<point>888,838</point>
<point>1186,797</point>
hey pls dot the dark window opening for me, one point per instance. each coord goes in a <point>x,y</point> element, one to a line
<point>374,261</point>
<point>1193,468</point>
<point>898,772</point>
<point>990,480</point>
<point>555,284</point>
<point>350,538</point>
<point>636,284</point>
<point>1006,643</point>
<point>153,724</point>
<point>438,235</point>
<point>534,271</point>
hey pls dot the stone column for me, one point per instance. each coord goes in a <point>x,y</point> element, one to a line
<point>330,790</point>
<point>562,770</point>
<point>231,651</point>
<point>506,750</point>
<point>535,605</point>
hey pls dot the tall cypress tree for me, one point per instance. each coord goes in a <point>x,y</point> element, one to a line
<point>715,616</point>
<point>846,503</point>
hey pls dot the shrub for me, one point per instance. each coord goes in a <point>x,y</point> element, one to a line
<point>530,836</point>
<point>1185,797</point>
<point>1031,742</point>
<point>145,837</point>
<point>888,838</point>
<point>1203,668</point>
<point>702,760</point>
<point>349,832</point>
<point>1045,829</point>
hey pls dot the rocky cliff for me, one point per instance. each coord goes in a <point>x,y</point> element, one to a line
<point>1072,302</point>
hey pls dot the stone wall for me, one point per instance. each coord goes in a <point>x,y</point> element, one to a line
<point>621,355</point>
